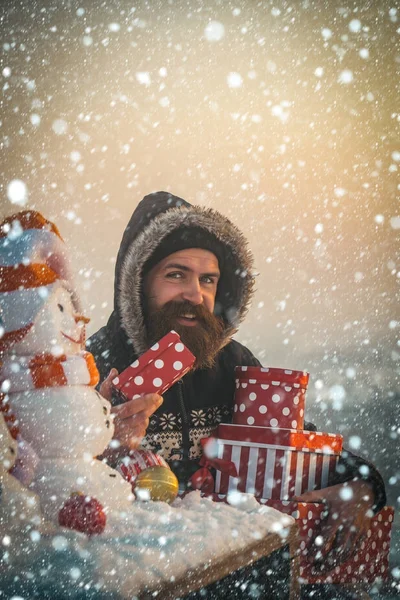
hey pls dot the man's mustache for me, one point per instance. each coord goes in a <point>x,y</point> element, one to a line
<point>179,309</point>
<point>204,339</point>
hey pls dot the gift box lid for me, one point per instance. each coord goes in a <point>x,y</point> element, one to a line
<point>272,375</point>
<point>157,369</point>
<point>287,439</point>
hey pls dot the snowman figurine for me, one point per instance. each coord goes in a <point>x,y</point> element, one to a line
<point>19,508</point>
<point>46,377</point>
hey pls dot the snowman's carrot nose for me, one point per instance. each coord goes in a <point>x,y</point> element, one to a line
<point>81,319</point>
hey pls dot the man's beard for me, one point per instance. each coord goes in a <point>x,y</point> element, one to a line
<point>204,339</point>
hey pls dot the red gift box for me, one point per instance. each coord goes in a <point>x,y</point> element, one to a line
<point>270,397</point>
<point>156,370</point>
<point>369,563</point>
<point>137,461</point>
<point>275,463</point>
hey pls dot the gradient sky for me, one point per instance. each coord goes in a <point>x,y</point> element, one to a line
<point>282,115</point>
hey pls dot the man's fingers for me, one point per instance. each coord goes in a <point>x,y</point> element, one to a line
<point>340,541</point>
<point>126,426</point>
<point>322,543</point>
<point>106,386</point>
<point>131,419</point>
<point>345,542</point>
<point>312,496</point>
<point>135,435</point>
<point>131,438</point>
<point>128,431</point>
<point>148,403</point>
<point>344,545</point>
<point>136,440</point>
<point>352,544</point>
<point>140,419</point>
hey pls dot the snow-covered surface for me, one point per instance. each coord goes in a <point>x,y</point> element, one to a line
<point>155,545</point>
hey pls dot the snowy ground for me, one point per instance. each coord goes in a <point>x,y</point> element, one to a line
<point>164,542</point>
<point>153,546</point>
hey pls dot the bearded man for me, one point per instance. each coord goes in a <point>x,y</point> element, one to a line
<point>187,268</point>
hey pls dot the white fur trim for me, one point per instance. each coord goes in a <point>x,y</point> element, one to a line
<point>148,240</point>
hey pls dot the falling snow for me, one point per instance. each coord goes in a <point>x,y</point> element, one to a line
<point>235,80</point>
<point>17,192</point>
<point>346,76</point>
<point>214,32</point>
<point>283,116</point>
<point>60,127</point>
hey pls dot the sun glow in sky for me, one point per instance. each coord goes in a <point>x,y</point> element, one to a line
<point>282,116</point>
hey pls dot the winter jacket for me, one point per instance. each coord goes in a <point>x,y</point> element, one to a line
<point>202,399</point>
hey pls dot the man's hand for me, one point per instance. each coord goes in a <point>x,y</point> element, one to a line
<point>342,531</point>
<point>131,419</point>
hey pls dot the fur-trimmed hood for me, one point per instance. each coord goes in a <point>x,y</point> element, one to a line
<point>156,216</point>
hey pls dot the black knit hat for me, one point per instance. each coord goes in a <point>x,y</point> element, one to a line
<point>184,238</point>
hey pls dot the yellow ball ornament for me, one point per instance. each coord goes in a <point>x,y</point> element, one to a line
<point>157,483</point>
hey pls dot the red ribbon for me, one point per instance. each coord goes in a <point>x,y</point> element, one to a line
<point>203,479</point>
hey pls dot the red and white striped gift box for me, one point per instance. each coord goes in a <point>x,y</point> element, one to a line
<point>275,463</point>
<point>270,397</point>
<point>137,461</point>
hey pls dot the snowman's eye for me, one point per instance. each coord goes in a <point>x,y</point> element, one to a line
<point>60,306</point>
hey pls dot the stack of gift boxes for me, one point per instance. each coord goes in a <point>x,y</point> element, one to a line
<point>277,461</point>
<point>274,457</point>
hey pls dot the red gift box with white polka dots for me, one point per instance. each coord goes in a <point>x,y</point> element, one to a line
<point>156,370</point>
<point>270,397</point>
<point>275,463</point>
<point>370,560</point>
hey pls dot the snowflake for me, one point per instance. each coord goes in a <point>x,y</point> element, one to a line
<point>216,415</point>
<point>198,417</point>
<point>168,421</point>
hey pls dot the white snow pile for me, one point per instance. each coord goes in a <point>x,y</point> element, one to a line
<point>154,546</point>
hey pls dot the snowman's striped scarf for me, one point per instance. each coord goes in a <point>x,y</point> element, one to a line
<point>23,373</point>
